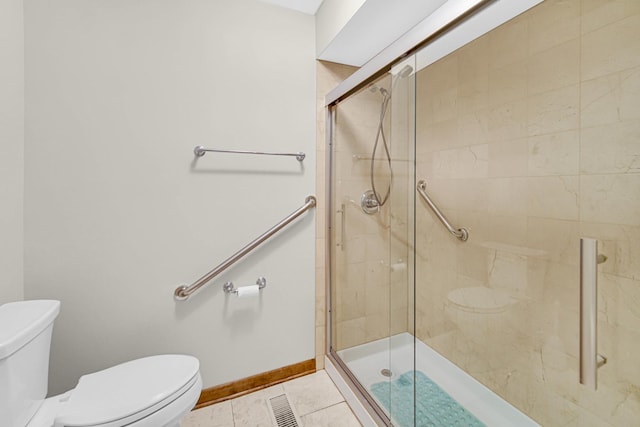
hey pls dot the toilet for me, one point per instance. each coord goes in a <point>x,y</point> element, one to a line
<point>156,391</point>
<point>488,312</point>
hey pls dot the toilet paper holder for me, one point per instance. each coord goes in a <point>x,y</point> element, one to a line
<point>229,287</point>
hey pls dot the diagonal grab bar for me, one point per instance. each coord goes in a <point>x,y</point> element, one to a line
<point>460,233</point>
<point>183,292</point>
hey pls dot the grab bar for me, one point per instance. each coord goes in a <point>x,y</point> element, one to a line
<point>590,360</point>
<point>460,233</point>
<point>183,292</point>
<point>199,151</point>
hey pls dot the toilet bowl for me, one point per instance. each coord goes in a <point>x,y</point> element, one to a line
<point>154,391</point>
<point>491,315</point>
<point>481,312</point>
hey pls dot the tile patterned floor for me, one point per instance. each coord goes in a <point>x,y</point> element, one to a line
<point>314,398</point>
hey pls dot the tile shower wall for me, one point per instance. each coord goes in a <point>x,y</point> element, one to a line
<point>328,76</point>
<point>530,137</point>
<point>370,296</point>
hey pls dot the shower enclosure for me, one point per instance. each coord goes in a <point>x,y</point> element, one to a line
<point>526,136</point>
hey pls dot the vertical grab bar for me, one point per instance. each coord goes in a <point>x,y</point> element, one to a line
<point>590,360</point>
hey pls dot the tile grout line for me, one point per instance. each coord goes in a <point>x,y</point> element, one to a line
<point>326,407</point>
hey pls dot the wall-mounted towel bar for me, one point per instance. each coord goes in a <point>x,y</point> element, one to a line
<point>460,233</point>
<point>199,151</point>
<point>183,292</point>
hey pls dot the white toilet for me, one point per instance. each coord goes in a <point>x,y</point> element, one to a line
<point>485,312</point>
<point>154,391</point>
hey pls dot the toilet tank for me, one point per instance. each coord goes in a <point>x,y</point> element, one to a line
<point>25,340</point>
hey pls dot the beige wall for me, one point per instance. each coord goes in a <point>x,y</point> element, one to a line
<point>528,137</point>
<point>118,213</point>
<point>11,149</point>
<point>331,18</point>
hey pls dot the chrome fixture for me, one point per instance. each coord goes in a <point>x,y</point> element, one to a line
<point>200,151</point>
<point>460,233</point>
<point>373,206</point>
<point>343,215</point>
<point>369,203</point>
<point>183,292</point>
<point>229,287</point>
<point>590,360</point>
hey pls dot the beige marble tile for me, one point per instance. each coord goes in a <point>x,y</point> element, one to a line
<point>508,121</point>
<point>321,342</point>
<point>338,415</point>
<point>506,43</point>
<point>252,409</point>
<point>553,111</point>
<point>349,333</point>
<point>508,83</point>
<point>554,197</point>
<point>473,76</point>
<point>218,415</point>
<point>466,162</point>
<point>558,238</point>
<point>554,68</point>
<point>510,229</point>
<point>508,158</point>
<point>553,22</point>
<point>620,243</point>
<point>599,13</point>
<point>473,128</point>
<point>611,48</point>
<point>312,392</point>
<point>610,99</point>
<point>554,154</point>
<point>610,149</point>
<point>507,196</point>
<point>610,199</point>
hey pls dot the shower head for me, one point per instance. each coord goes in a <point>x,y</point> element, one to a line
<point>405,71</point>
<point>374,89</point>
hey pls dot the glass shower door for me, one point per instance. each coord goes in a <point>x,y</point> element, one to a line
<point>529,137</point>
<point>372,226</point>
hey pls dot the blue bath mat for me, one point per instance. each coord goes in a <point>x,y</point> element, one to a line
<point>434,407</point>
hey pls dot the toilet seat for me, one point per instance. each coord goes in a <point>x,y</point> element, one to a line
<point>480,299</point>
<point>126,393</point>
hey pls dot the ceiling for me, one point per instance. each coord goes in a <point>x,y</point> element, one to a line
<point>309,7</point>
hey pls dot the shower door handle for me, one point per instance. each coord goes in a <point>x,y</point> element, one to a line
<point>590,360</point>
<point>343,213</point>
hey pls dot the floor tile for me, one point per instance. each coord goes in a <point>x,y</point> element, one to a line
<point>253,410</point>
<point>312,392</point>
<point>313,397</point>
<point>218,415</point>
<point>339,415</point>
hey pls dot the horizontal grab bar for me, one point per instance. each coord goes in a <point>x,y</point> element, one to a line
<point>183,292</point>
<point>200,151</point>
<point>460,233</point>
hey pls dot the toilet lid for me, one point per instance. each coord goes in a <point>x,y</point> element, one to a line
<point>480,299</point>
<point>129,391</point>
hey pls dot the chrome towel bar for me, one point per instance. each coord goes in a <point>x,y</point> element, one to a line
<point>460,233</point>
<point>200,151</point>
<point>183,292</point>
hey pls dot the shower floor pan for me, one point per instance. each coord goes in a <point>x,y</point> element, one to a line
<point>367,362</point>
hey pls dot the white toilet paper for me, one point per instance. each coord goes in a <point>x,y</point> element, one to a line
<point>248,291</point>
